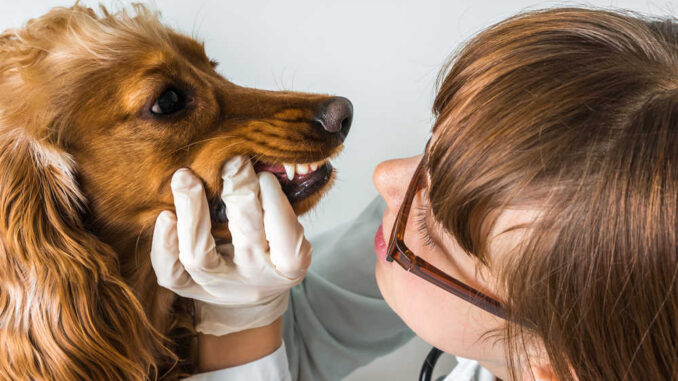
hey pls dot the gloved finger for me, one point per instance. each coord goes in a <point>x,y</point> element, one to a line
<point>197,250</point>
<point>290,252</point>
<point>168,269</point>
<point>240,194</point>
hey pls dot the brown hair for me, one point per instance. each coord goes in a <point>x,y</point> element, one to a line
<point>66,312</point>
<point>574,111</point>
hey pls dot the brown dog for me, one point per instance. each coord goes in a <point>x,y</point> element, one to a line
<point>96,114</point>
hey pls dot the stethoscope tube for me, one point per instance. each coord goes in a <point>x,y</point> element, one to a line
<point>429,363</point>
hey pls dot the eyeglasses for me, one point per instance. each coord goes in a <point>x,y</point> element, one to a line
<point>401,254</point>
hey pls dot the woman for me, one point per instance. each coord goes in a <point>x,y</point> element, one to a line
<point>544,207</point>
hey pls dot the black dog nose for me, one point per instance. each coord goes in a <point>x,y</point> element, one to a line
<point>335,116</point>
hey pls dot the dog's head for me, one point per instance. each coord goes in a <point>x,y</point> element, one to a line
<point>130,101</point>
<point>96,114</point>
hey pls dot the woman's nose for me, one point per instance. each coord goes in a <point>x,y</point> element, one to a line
<point>392,177</point>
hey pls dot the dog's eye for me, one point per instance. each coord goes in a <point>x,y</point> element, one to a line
<point>170,101</point>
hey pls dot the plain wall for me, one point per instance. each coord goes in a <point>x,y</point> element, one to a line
<point>383,55</point>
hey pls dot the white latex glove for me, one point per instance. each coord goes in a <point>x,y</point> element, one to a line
<point>244,284</point>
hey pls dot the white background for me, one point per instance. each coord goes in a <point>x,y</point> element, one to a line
<point>382,55</point>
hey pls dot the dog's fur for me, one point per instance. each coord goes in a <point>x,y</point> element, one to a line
<point>85,170</point>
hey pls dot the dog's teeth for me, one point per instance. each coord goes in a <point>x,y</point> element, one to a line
<point>289,170</point>
<point>302,169</point>
<point>314,166</point>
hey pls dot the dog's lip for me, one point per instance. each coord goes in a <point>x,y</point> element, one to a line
<point>305,157</point>
<point>303,186</point>
<point>300,187</point>
<point>284,171</point>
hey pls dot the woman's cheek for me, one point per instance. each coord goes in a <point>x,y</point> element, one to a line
<point>418,305</point>
<point>381,273</point>
<point>436,316</point>
<point>409,297</point>
<point>388,281</point>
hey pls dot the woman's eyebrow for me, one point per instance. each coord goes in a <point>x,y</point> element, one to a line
<point>440,236</point>
<point>434,228</point>
<point>426,201</point>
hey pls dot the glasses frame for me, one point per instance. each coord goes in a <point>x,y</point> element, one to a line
<point>402,255</point>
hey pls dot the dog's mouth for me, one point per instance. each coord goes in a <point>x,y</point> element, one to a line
<point>298,182</point>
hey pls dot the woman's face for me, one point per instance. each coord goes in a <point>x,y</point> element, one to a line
<point>440,318</point>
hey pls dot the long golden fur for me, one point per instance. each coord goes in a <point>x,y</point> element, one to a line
<point>85,170</point>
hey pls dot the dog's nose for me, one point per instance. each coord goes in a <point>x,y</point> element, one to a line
<point>335,116</point>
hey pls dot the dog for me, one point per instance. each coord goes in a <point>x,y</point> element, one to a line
<point>97,111</point>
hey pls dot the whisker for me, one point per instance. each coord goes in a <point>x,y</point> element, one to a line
<point>200,141</point>
<point>258,157</point>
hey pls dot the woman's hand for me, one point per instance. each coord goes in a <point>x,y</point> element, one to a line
<point>244,284</point>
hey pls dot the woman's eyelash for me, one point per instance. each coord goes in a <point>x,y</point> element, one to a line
<point>422,226</point>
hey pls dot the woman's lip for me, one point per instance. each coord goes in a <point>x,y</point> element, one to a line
<point>380,244</point>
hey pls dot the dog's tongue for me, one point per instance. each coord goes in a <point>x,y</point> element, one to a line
<point>277,169</point>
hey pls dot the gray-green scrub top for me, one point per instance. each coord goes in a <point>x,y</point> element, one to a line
<point>337,320</point>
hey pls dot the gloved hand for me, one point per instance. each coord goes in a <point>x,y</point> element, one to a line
<point>243,284</point>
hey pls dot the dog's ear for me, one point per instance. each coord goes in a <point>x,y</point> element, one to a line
<point>65,313</point>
